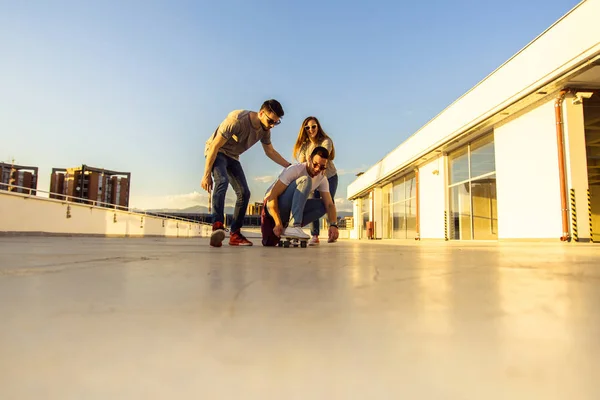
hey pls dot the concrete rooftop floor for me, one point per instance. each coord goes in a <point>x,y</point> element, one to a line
<point>99,318</point>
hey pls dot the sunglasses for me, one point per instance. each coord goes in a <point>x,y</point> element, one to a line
<point>318,166</point>
<point>270,121</point>
<point>307,127</point>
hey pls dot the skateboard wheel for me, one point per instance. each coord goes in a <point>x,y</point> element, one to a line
<point>303,244</point>
<point>286,244</point>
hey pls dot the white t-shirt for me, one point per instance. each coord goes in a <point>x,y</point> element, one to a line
<point>295,171</point>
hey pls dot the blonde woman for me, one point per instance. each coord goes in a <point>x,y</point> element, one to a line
<point>312,135</point>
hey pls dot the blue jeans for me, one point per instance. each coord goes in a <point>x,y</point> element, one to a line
<point>333,184</point>
<point>294,202</point>
<point>226,170</point>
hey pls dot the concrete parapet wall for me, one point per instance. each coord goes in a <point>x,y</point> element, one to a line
<point>23,214</point>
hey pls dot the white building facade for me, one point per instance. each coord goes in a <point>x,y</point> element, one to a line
<point>516,157</point>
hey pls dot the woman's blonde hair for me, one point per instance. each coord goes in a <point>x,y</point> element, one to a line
<point>303,137</point>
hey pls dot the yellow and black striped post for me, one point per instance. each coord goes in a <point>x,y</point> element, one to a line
<point>589,196</point>
<point>446,225</point>
<point>574,216</point>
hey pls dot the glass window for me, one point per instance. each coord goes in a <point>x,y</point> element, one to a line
<point>485,211</point>
<point>459,165</point>
<point>398,192</point>
<point>365,215</point>
<point>460,212</point>
<point>411,218</point>
<point>411,187</point>
<point>365,207</point>
<point>387,214</point>
<point>399,221</point>
<point>473,202</point>
<point>483,160</point>
<point>404,213</point>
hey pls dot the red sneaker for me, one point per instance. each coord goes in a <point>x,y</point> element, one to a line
<point>237,239</point>
<point>218,234</point>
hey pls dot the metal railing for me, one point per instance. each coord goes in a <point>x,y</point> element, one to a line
<point>27,193</point>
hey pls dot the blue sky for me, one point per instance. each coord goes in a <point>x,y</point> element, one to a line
<point>139,86</point>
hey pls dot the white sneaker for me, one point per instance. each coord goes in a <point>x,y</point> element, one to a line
<point>295,232</point>
<point>314,241</point>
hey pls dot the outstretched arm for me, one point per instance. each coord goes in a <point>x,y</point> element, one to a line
<point>275,156</point>
<point>331,216</point>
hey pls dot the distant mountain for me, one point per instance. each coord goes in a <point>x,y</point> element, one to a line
<point>194,210</point>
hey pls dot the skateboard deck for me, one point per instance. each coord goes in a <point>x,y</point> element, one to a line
<point>292,241</point>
